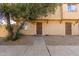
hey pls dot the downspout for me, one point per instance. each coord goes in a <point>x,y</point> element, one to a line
<point>76,21</point>
<point>61,13</point>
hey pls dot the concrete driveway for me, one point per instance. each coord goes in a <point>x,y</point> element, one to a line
<point>39,48</point>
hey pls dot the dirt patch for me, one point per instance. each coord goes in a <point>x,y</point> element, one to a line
<point>24,40</point>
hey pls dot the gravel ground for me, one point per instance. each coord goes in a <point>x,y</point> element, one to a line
<point>25,40</point>
<point>62,40</point>
<point>49,40</point>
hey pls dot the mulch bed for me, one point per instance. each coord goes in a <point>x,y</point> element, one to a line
<point>24,40</point>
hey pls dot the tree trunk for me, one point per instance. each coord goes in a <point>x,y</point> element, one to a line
<point>12,35</point>
<point>15,36</point>
<point>9,27</point>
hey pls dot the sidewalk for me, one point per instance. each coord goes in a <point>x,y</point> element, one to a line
<point>64,50</point>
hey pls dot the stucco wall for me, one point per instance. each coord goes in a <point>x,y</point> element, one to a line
<point>31,29</point>
<point>66,14</point>
<point>75,29</point>
<point>3,32</point>
<point>53,28</point>
<point>70,15</point>
<point>50,28</point>
<point>55,16</point>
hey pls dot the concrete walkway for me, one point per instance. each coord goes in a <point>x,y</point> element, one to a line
<point>39,49</point>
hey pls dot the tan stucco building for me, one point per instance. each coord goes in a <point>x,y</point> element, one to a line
<point>63,22</point>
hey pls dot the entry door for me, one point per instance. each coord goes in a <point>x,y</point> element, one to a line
<point>68,29</point>
<point>39,28</point>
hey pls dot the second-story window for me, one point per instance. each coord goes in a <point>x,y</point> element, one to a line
<point>71,7</point>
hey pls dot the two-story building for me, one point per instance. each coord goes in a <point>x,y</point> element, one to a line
<point>63,22</point>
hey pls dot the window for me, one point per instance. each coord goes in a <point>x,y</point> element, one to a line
<point>71,7</point>
<point>25,26</point>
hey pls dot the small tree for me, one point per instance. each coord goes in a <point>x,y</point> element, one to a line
<point>27,12</point>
